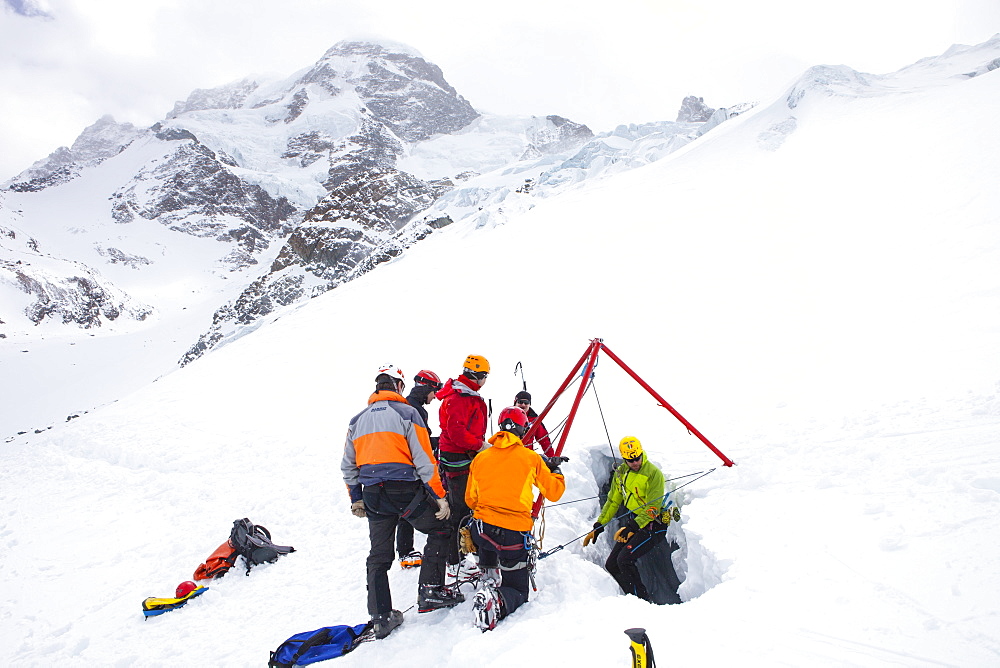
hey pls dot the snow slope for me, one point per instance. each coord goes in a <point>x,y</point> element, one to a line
<point>176,279</point>
<point>814,288</point>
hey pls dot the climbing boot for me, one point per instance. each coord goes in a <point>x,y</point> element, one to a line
<point>433,597</point>
<point>384,624</point>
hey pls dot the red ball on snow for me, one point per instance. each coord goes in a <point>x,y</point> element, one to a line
<point>185,588</point>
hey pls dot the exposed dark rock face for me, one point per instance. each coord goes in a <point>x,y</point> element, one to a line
<point>309,147</point>
<point>82,299</point>
<point>361,223</point>
<point>55,176</point>
<point>405,92</point>
<point>195,193</point>
<point>373,149</point>
<point>260,298</point>
<point>298,103</point>
<point>335,255</point>
<point>346,228</point>
<point>116,256</point>
<point>324,76</point>
<point>694,110</point>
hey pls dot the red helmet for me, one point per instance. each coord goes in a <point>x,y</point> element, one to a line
<point>514,420</point>
<point>425,377</point>
<point>185,588</point>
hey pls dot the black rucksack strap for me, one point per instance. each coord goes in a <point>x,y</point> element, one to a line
<point>319,638</point>
<point>418,498</point>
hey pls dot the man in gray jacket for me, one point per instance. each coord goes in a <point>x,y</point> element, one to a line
<point>391,475</point>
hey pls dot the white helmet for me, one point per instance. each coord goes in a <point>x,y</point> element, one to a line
<point>391,370</point>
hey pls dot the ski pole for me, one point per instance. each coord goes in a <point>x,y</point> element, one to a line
<point>524,383</point>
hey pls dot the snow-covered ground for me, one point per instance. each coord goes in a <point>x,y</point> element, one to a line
<point>816,289</point>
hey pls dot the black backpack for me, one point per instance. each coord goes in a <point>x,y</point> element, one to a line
<point>253,543</point>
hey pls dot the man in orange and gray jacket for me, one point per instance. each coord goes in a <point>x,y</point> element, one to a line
<point>391,475</point>
<point>501,494</point>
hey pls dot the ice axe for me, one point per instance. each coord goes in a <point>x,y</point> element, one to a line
<point>520,367</point>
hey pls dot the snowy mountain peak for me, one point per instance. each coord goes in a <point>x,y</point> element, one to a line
<point>372,48</point>
<point>229,96</point>
<point>98,142</point>
<point>395,83</point>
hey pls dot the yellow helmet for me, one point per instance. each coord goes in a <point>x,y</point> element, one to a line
<point>476,363</point>
<point>630,447</point>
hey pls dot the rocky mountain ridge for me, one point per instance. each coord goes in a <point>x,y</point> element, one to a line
<point>318,177</point>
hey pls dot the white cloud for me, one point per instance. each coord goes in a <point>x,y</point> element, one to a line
<point>29,8</point>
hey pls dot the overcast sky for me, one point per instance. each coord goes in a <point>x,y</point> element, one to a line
<point>66,63</point>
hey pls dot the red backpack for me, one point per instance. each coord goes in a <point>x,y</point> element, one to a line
<point>218,563</point>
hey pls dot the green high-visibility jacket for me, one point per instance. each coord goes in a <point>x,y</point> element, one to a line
<point>641,491</point>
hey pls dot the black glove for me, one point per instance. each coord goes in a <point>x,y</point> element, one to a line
<point>554,462</point>
<point>592,536</point>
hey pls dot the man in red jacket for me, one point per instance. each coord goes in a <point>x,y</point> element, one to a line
<point>463,421</point>
<point>523,401</point>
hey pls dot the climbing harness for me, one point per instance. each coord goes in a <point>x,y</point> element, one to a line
<point>549,553</point>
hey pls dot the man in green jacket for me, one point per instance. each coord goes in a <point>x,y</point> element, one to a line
<point>638,484</point>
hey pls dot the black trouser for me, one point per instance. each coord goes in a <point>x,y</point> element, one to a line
<point>504,549</point>
<point>458,480</point>
<point>385,504</point>
<point>404,538</point>
<point>621,561</point>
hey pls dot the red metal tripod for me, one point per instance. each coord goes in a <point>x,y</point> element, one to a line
<point>590,357</point>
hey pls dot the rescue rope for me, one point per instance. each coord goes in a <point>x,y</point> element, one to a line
<point>563,503</point>
<point>601,410</point>
<point>549,553</point>
<point>541,530</point>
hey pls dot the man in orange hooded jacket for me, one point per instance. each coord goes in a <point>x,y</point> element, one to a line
<point>500,493</point>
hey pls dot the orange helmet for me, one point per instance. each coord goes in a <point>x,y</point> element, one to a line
<point>476,363</point>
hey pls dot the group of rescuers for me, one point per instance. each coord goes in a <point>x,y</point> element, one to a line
<point>401,478</point>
